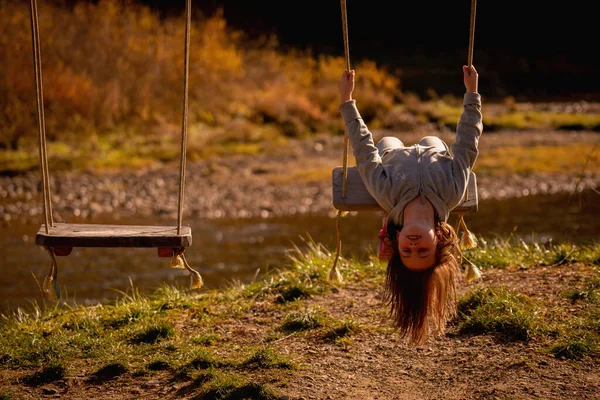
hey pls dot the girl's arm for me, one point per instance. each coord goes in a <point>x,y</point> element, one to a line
<point>468,130</point>
<point>366,154</point>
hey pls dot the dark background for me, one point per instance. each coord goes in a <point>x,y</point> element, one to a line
<point>532,50</point>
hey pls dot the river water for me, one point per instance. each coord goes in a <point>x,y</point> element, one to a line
<point>224,251</point>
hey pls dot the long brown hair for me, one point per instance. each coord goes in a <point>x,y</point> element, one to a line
<point>423,301</point>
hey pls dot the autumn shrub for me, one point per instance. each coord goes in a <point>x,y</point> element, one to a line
<point>118,67</point>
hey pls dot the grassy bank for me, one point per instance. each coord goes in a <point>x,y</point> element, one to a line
<point>245,341</point>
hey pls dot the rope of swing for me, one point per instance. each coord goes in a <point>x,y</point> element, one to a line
<point>461,221</point>
<point>347,58</point>
<point>188,24</point>
<point>334,274</point>
<point>43,152</point>
<point>472,33</point>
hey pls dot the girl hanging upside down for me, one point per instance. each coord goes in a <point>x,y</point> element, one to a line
<point>417,186</point>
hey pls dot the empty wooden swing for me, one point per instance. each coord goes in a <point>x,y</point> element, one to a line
<point>348,190</point>
<point>59,239</point>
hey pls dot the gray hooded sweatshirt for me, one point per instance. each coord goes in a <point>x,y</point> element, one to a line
<point>441,177</point>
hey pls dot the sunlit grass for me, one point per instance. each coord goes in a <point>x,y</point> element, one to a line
<point>267,357</point>
<point>590,292</point>
<point>51,372</point>
<point>500,311</point>
<point>342,332</point>
<point>220,385</point>
<point>18,161</point>
<point>512,119</point>
<point>524,160</point>
<point>304,175</point>
<point>5,395</point>
<point>182,332</point>
<point>446,112</point>
<point>501,252</point>
<point>303,320</point>
<point>574,348</point>
<point>153,333</point>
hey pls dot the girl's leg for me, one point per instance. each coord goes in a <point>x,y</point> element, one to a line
<point>388,143</point>
<point>434,141</point>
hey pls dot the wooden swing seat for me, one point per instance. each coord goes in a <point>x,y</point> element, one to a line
<point>63,237</point>
<point>358,197</point>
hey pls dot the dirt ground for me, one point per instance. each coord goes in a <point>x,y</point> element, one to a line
<point>376,364</point>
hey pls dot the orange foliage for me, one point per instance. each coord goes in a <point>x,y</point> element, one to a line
<point>119,65</point>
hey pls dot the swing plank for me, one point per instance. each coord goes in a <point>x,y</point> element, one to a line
<point>97,235</point>
<point>358,197</point>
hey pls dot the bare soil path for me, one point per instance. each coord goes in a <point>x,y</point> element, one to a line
<point>375,363</point>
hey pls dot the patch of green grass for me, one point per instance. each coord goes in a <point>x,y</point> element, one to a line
<point>500,311</point>
<point>306,276</point>
<point>170,297</point>
<point>158,365</point>
<point>6,395</point>
<point>590,292</point>
<point>51,372</point>
<point>128,309</point>
<point>291,292</point>
<point>154,333</point>
<point>303,320</point>
<point>574,348</point>
<point>46,349</point>
<point>201,359</point>
<point>578,331</point>
<point>501,252</point>
<point>524,160</point>
<point>32,338</point>
<point>446,112</point>
<point>511,118</point>
<point>569,121</point>
<point>303,175</point>
<point>14,162</point>
<point>232,386</point>
<point>563,255</point>
<point>266,357</point>
<point>207,339</point>
<point>341,331</point>
<point>107,373</point>
<point>125,316</point>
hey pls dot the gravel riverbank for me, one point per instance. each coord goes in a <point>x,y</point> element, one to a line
<point>242,186</point>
